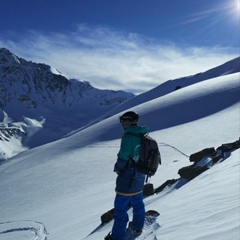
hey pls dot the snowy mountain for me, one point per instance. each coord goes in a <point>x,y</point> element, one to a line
<point>59,190</point>
<point>170,86</point>
<point>44,104</point>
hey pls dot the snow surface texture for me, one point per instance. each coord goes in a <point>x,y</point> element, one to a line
<point>23,230</point>
<point>59,190</point>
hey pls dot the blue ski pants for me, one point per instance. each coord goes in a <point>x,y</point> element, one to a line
<point>121,206</point>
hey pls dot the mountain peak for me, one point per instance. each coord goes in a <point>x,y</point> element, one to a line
<point>7,57</point>
<point>38,92</point>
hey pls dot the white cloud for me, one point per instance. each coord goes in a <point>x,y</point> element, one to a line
<point>115,60</point>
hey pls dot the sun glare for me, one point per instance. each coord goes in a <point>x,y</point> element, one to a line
<point>237,6</point>
<point>232,9</point>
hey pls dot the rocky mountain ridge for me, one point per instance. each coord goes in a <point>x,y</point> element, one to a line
<point>33,84</point>
<point>35,98</point>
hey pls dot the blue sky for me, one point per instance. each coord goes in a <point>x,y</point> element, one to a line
<point>132,45</point>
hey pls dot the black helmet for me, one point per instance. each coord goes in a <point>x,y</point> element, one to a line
<point>129,116</point>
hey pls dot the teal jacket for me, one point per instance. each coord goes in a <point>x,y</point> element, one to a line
<point>129,180</point>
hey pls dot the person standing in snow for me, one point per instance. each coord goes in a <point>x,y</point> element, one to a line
<point>130,182</point>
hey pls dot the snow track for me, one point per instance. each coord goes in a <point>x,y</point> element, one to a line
<point>174,148</point>
<point>22,230</point>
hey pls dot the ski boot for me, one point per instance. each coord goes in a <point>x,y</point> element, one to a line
<point>136,232</point>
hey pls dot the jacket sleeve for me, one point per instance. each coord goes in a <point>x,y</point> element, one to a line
<point>120,165</point>
<point>125,148</point>
<point>123,155</point>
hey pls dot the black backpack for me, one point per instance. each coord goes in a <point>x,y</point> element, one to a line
<point>149,157</point>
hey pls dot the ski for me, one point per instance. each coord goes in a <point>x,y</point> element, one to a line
<point>105,218</point>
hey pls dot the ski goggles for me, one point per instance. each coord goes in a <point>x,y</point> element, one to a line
<point>125,118</point>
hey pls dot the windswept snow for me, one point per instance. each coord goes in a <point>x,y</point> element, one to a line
<point>68,184</point>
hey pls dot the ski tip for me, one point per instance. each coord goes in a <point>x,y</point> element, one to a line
<point>152,213</point>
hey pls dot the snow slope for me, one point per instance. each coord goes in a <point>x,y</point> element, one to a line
<point>170,86</point>
<point>58,191</point>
